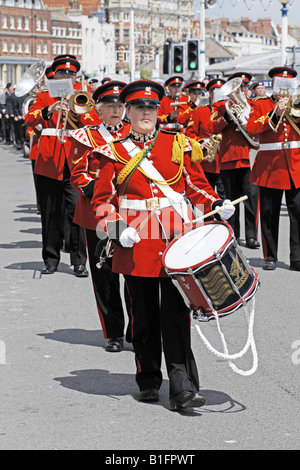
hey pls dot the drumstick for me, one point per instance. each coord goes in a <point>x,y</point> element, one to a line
<point>236,201</point>
<point>137,230</point>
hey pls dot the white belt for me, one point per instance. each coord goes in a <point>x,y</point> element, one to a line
<point>56,133</point>
<point>280,145</point>
<point>145,204</point>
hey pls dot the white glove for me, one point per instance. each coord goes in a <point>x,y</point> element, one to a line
<point>227,210</point>
<point>128,237</point>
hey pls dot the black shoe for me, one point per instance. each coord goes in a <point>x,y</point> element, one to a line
<point>80,270</point>
<point>269,265</point>
<point>149,395</point>
<point>114,345</point>
<point>295,266</point>
<point>252,243</point>
<point>186,400</point>
<point>48,269</point>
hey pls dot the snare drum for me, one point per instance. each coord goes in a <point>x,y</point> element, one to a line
<point>210,270</point>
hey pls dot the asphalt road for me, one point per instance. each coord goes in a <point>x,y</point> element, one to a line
<point>61,390</point>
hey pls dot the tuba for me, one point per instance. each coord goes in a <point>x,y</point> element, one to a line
<point>240,116</point>
<point>30,79</point>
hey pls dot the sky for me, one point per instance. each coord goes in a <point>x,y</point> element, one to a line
<point>254,9</point>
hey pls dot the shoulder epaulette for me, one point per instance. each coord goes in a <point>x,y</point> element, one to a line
<point>81,136</point>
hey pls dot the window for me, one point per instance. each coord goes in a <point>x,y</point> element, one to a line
<point>20,49</point>
<point>4,21</point>
<point>26,23</point>
<point>38,48</point>
<point>45,48</point>
<point>4,46</point>
<point>126,33</point>
<point>19,22</point>
<point>115,16</point>
<point>12,22</point>
<point>12,46</point>
<point>26,48</point>
<point>45,25</point>
<point>38,24</point>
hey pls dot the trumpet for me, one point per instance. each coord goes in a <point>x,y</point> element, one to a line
<point>214,140</point>
<point>283,94</point>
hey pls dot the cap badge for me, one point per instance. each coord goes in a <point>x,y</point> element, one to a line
<point>148,90</point>
<point>115,89</point>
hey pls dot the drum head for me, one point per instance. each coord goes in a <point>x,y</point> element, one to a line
<point>196,246</point>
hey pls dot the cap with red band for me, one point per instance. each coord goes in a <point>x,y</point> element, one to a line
<point>67,64</point>
<point>142,91</point>
<point>286,72</point>
<point>176,80</point>
<point>49,73</point>
<point>109,92</point>
<point>215,83</point>
<point>246,77</point>
<point>195,85</point>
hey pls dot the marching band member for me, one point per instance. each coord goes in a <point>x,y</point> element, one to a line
<point>167,111</point>
<point>195,90</point>
<point>139,203</point>
<point>52,172</point>
<point>277,169</point>
<point>84,168</point>
<point>199,128</point>
<point>235,165</point>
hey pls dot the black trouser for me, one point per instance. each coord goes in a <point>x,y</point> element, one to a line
<point>106,286</point>
<point>236,184</point>
<point>216,183</point>
<point>158,312</point>
<point>270,204</point>
<point>51,193</point>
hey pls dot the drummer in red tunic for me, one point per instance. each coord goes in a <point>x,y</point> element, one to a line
<point>277,167</point>
<point>84,171</point>
<point>145,178</point>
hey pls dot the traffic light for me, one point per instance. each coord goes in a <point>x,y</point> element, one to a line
<point>166,59</point>
<point>193,54</point>
<point>178,58</point>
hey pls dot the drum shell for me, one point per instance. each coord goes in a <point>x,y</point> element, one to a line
<point>220,283</point>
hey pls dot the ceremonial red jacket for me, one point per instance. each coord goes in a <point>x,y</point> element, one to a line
<point>52,154</point>
<point>200,127</point>
<point>165,108</point>
<point>84,167</point>
<point>234,147</point>
<point>144,258</point>
<point>273,168</point>
<point>184,113</point>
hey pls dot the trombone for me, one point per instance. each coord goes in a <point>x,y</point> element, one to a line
<point>283,94</point>
<point>80,102</point>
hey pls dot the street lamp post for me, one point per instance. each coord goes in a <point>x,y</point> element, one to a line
<point>284,30</point>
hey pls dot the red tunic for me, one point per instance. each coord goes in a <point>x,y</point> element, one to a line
<point>84,168</point>
<point>166,108</point>
<point>144,258</point>
<point>234,147</point>
<point>52,154</point>
<point>273,168</point>
<point>200,127</point>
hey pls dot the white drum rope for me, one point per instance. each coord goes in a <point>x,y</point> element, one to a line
<point>250,343</point>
